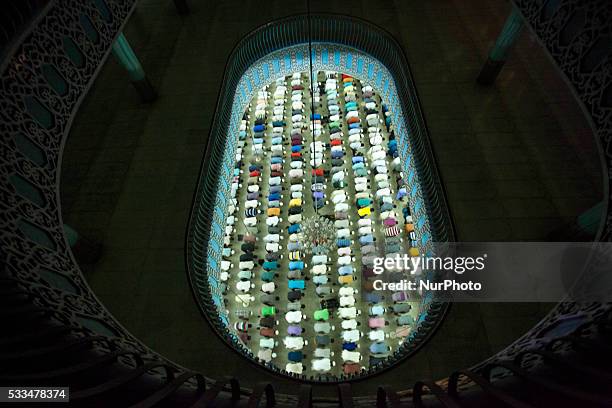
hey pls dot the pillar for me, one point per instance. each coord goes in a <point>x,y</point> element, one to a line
<point>590,220</point>
<point>181,6</point>
<point>498,54</point>
<point>584,227</point>
<point>84,250</point>
<point>126,56</point>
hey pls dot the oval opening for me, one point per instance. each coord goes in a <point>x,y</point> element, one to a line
<point>271,278</point>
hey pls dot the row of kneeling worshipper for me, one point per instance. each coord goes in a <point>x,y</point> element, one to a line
<point>321,360</point>
<point>249,262</point>
<point>358,165</point>
<point>243,277</point>
<point>246,260</point>
<point>345,304</point>
<point>292,340</point>
<point>379,347</point>
<point>351,355</point>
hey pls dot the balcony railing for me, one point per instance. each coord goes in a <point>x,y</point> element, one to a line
<point>280,35</point>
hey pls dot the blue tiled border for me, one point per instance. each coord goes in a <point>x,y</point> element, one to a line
<point>285,62</point>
